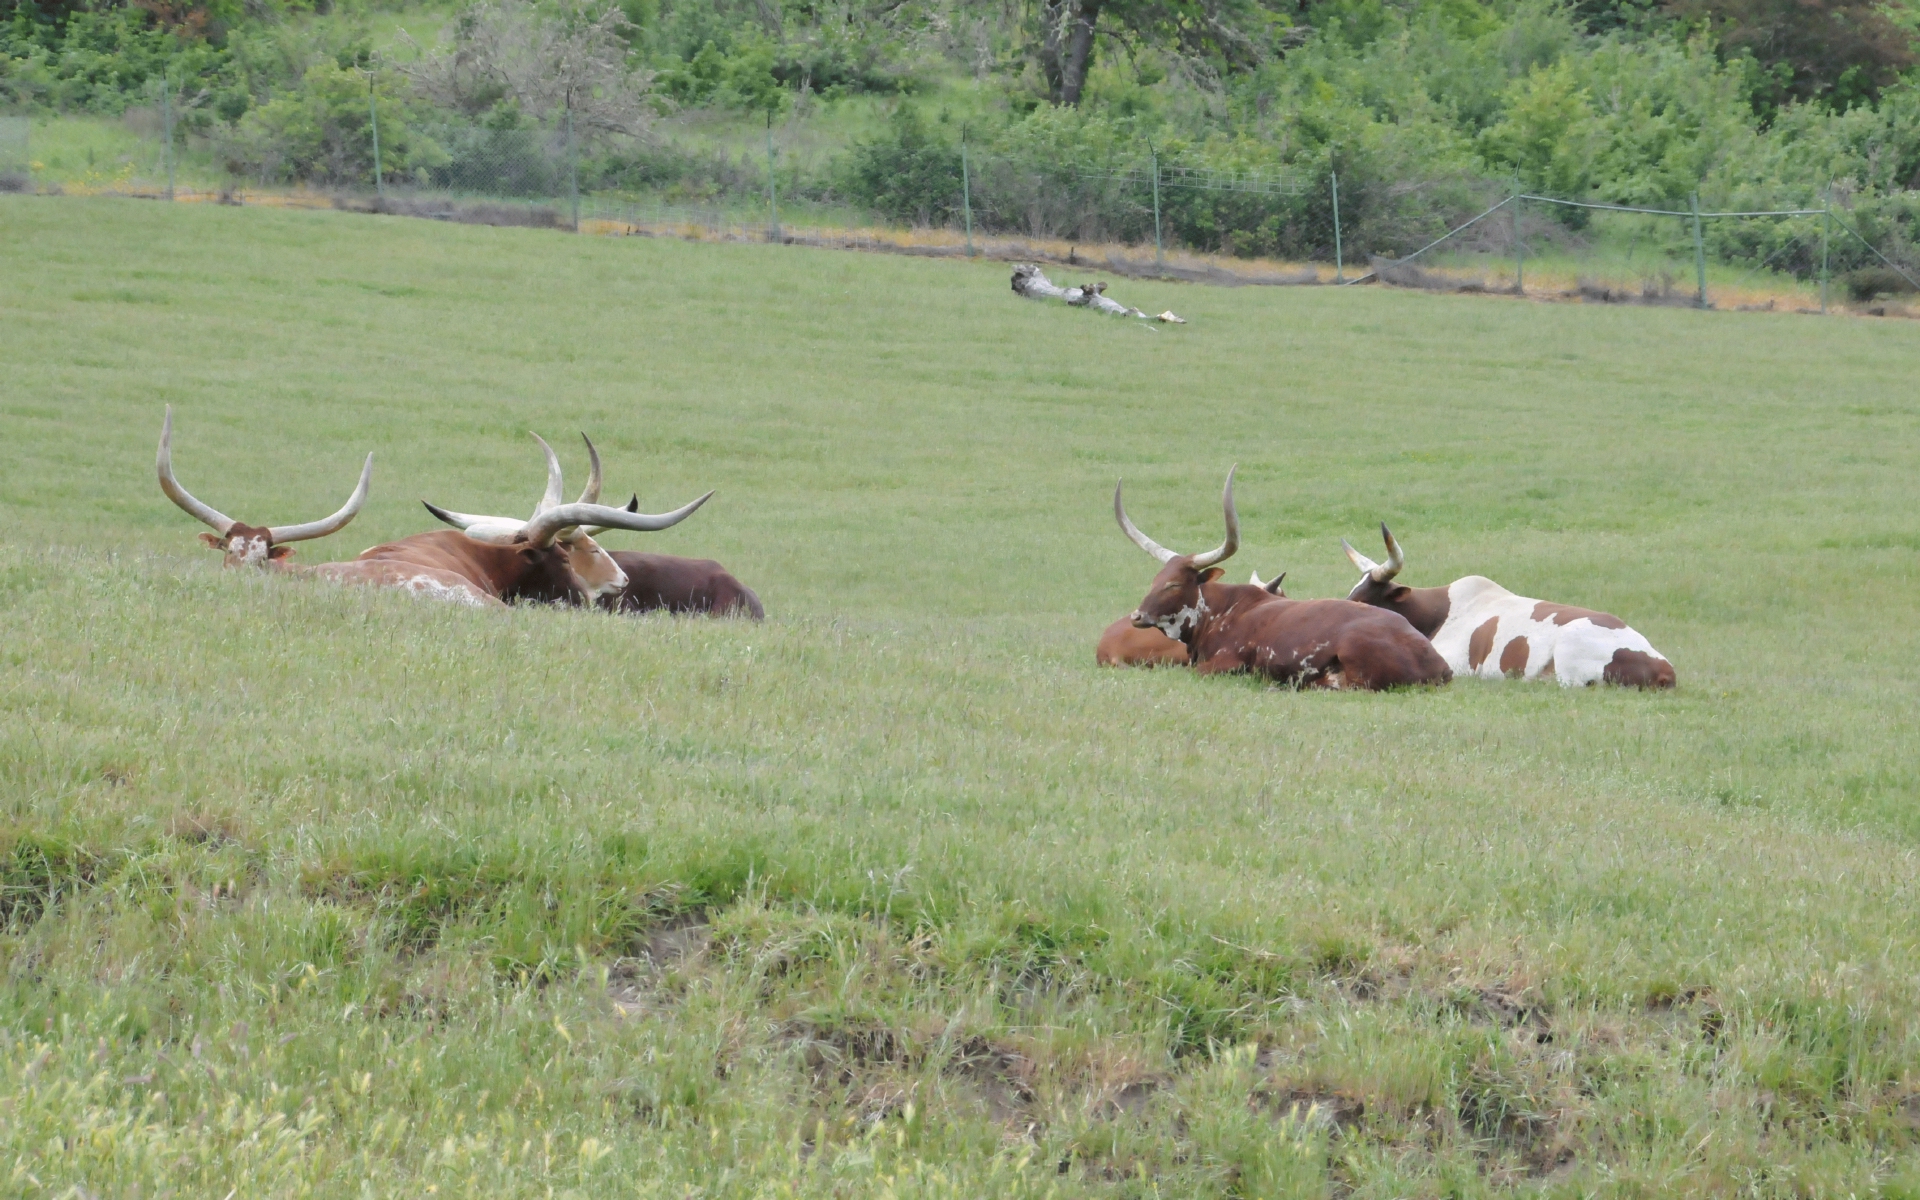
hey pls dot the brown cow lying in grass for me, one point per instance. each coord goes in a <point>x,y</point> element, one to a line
<point>1122,644</point>
<point>1241,627</point>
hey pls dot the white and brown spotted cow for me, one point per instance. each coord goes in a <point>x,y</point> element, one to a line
<point>1483,629</point>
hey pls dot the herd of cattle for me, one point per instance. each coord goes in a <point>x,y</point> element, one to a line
<point>550,557</point>
<point>1384,634</point>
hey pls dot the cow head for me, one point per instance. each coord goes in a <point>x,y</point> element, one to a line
<point>1376,584</point>
<point>1175,603</point>
<point>562,562</point>
<point>240,544</point>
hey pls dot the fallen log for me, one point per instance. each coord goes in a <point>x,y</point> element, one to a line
<point>1030,281</point>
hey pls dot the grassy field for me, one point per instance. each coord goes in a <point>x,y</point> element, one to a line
<point>316,891</point>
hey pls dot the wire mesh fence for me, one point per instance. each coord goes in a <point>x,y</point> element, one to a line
<point>1140,212</point>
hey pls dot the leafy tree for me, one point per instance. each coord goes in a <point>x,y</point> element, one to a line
<point>541,62</point>
<point>908,174</point>
<point>1838,52</point>
<point>1210,37</point>
<point>321,132</point>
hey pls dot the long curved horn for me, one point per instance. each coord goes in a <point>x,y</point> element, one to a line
<point>632,506</point>
<point>591,495</point>
<point>499,531</point>
<point>1366,565</point>
<point>544,528</point>
<point>1395,559</point>
<point>282,534</point>
<point>458,520</point>
<point>554,485</point>
<point>1133,531</point>
<point>1226,548</point>
<point>171,486</point>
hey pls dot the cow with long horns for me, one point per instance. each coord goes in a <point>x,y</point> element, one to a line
<point>243,545</point>
<point>1124,645</point>
<point>1243,627</point>
<point>654,581</point>
<point>269,547</point>
<point>551,557</point>
<point>1483,629</point>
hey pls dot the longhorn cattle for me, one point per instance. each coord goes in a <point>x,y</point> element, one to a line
<point>267,547</point>
<point>1241,627</point>
<point>1483,629</point>
<point>243,545</point>
<point>551,557</point>
<point>1122,645</point>
<point>661,581</point>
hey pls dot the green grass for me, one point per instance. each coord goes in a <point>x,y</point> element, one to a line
<point>320,891</point>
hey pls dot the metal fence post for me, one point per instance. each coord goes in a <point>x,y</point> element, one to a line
<point>373,114</point>
<point>1826,233</point>
<point>966,193</point>
<point>1339,262</point>
<point>1699,250</point>
<point>166,121</point>
<point>1519,248</point>
<point>773,188</point>
<point>573,172</point>
<point>1159,254</point>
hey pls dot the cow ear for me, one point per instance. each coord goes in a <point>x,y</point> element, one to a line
<point>1211,574</point>
<point>280,552</point>
<point>218,543</point>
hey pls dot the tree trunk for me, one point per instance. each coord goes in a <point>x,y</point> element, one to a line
<point>1073,72</point>
<point>1054,15</point>
<point>1031,282</point>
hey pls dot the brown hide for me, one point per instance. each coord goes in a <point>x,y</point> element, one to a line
<point>680,585</point>
<point>1325,643</point>
<point>408,576</point>
<point>508,573</point>
<point>1634,668</point>
<point>1424,608</point>
<point>1124,645</point>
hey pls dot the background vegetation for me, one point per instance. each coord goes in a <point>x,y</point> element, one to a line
<point>311,891</point>
<point>1426,107</point>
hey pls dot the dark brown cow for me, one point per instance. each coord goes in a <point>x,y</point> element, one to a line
<point>1241,627</point>
<point>680,585</point>
<point>243,545</point>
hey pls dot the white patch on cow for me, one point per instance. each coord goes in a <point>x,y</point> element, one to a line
<point>1176,625</point>
<point>1578,650</point>
<point>429,588</point>
<point>248,551</point>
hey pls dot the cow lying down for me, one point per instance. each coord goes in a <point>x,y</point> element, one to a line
<point>1483,629</point>
<point>1242,627</point>
<point>1122,645</point>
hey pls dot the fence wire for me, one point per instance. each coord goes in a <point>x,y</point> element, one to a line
<point>1140,212</point>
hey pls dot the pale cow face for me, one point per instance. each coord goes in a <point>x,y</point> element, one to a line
<point>595,569</point>
<point>247,546</point>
